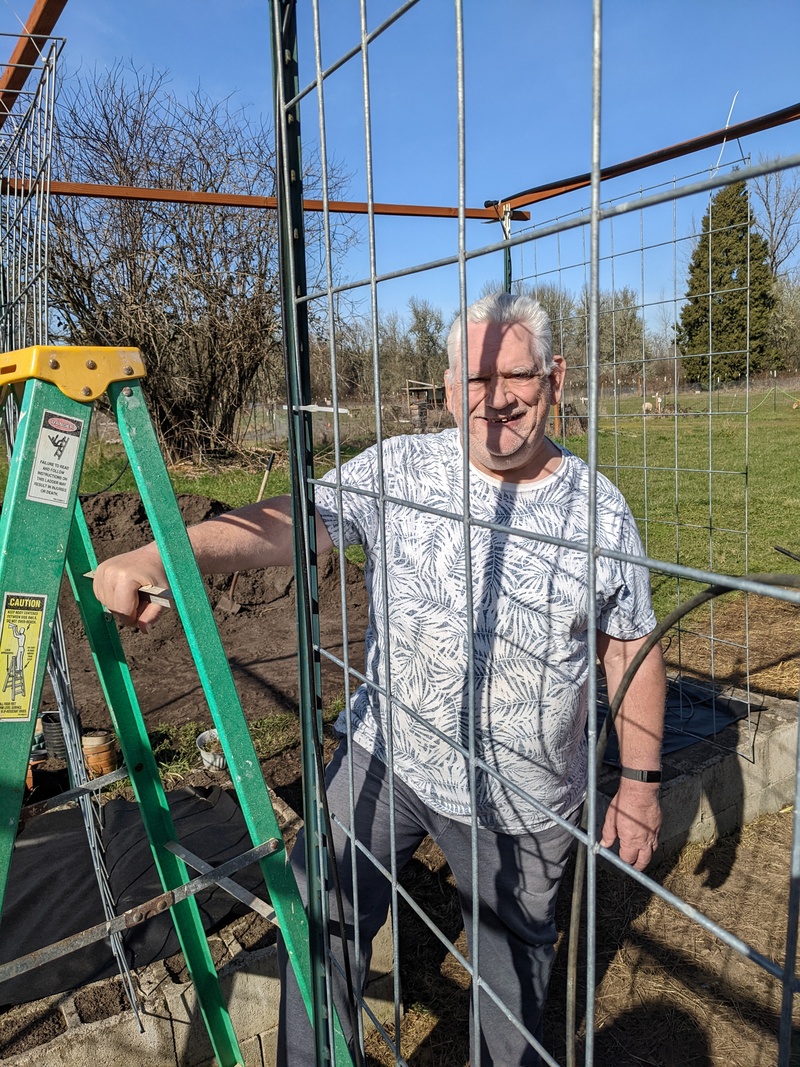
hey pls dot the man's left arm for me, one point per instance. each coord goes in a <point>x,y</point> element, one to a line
<point>634,815</point>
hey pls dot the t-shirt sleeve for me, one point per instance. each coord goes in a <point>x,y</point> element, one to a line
<point>626,610</point>
<point>359,486</point>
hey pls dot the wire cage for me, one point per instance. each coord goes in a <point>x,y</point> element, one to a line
<point>664,399</point>
<point>25,154</point>
<point>668,414</point>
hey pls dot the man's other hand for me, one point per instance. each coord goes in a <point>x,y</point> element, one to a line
<point>633,819</point>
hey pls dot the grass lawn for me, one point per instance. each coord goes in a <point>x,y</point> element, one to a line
<point>707,490</point>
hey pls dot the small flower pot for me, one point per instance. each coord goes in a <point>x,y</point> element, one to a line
<point>99,753</point>
<point>34,766</point>
<point>94,738</point>
<point>208,746</point>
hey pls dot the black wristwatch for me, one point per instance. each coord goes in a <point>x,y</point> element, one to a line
<point>640,776</point>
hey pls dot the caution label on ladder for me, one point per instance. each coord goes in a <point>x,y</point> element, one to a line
<point>56,459</point>
<point>20,641</point>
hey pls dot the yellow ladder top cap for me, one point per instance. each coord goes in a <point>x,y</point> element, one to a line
<point>81,372</point>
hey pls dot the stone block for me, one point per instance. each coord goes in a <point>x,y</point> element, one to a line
<point>251,989</point>
<point>251,1051</point>
<point>108,1043</point>
<point>723,821</point>
<point>702,831</point>
<point>192,1044</point>
<point>781,752</point>
<point>251,1054</point>
<point>772,798</point>
<point>723,786</point>
<point>269,1047</point>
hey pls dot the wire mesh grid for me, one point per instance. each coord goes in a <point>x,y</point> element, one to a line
<point>25,152</point>
<point>609,277</point>
<point>673,446</point>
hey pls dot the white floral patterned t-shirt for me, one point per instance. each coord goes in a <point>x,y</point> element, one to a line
<point>524,602</point>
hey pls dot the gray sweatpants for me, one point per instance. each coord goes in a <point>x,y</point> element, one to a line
<point>518,879</point>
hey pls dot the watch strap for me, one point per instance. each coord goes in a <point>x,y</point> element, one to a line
<point>640,776</point>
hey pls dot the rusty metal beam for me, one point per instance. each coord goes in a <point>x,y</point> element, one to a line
<point>193,196</point>
<point>661,155</point>
<point>41,22</point>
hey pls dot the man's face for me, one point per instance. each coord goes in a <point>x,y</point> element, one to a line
<point>508,399</point>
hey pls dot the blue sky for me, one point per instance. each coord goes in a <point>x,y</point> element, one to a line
<point>671,72</point>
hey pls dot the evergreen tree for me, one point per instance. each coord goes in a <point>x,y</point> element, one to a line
<point>729,298</point>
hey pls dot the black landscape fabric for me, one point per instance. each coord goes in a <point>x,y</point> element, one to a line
<point>52,890</point>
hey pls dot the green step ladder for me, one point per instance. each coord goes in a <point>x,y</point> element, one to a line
<point>43,535</point>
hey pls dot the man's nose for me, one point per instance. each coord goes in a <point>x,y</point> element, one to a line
<point>498,393</point>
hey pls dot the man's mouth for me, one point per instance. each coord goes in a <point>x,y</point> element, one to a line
<point>503,418</point>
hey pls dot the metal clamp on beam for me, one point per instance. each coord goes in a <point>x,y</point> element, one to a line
<point>81,372</point>
<point>236,891</point>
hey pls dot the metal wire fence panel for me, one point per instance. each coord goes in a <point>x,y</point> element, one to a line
<point>25,144</point>
<point>661,400</point>
<point>675,448</point>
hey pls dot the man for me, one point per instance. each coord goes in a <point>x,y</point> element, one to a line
<point>476,663</point>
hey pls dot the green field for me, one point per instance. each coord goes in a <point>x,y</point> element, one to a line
<point>708,491</point>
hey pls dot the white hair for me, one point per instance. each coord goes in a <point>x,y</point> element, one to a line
<point>506,308</point>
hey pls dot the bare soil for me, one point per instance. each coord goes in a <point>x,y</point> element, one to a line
<point>668,994</point>
<point>260,639</point>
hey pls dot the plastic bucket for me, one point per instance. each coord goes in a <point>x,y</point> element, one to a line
<point>54,735</point>
<point>212,761</point>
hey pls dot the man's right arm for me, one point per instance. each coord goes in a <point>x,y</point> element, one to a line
<point>259,535</point>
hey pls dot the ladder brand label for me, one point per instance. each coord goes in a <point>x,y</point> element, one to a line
<point>56,459</point>
<point>20,641</point>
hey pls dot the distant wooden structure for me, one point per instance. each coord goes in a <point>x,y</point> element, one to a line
<point>424,393</point>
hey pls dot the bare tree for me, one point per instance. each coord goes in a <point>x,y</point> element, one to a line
<point>777,197</point>
<point>784,325</point>
<point>427,336</point>
<point>196,288</point>
<point>568,335</point>
<point>351,344</point>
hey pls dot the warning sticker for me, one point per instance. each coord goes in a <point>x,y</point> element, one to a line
<point>20,641</point>
<point>55,460</point>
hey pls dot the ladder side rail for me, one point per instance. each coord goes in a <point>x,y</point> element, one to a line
<point>126,716</point>
<point>58,670</point>
<point>191,601</point>
<point>33,544</point>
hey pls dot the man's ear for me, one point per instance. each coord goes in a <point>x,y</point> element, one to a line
<point>448,390</point>
<point>557,375</point>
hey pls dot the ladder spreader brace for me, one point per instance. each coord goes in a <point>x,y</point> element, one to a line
<point>43,535</point>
